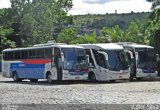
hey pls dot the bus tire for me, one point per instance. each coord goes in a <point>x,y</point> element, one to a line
<point>131,77</point>
<point>49,78</point>
<point>92,77</point>
<point>34,80</point>
<point>112,81</point>
<point>139,79</point>
<point>15,77</point>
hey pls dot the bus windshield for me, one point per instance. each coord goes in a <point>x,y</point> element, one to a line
<point>74,59</point>
<point>146,57</point>
<point>117,60</point>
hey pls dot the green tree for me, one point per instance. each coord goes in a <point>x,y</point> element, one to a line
<point>155,3</point>
<point>87,38</point>
<point>41,20</point>
<point>5,29</point>
<point>114,34</point>
<point>5,42</point>
<point>153,29</point>
<point>134,33</point>
<point>67,35</point>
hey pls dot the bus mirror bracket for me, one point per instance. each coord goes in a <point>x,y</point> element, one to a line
<point>87,57</point>
<point>62,57</point>
<point>104,53</point>
<point>157,57</point>
<point>136,54</point>
<point>130,53</point>
<point>91,65</point>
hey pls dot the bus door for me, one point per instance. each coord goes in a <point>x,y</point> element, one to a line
<point>58,62</point>
<point>101,59</point>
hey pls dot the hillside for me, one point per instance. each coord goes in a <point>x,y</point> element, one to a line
<point>88,23</point>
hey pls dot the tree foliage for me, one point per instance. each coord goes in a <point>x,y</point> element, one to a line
<point>155,3</point>
<point>153,29</point>
<point>41,20</point>
<point>87,38</point>
<point>134,33</point>
<point>67,35</point>
<point>5,42</point>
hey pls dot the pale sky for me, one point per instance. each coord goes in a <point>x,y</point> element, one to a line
<point>101,6</point>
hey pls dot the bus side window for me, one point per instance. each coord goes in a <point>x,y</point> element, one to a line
<point>17,55</point>
<point>32,54</point>
<point>5,55</point>
<point>48,53</point>
<point>40,53</point>
<point>24,54</point>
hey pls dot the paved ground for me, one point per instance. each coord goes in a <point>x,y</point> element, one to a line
<point>121,92</point>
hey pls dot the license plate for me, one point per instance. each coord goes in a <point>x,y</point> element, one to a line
<point>120,76</point>
<point>77,77</point>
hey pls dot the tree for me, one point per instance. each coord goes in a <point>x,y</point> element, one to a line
<point>155,3</point>
<point>114,34</point>
<point>67,35</point>
<point>92,38</point>
<point>41,19</point>
<point>5,29</point>
<point>5,42</point>
<point>134,33</point>
<point>153,29</point>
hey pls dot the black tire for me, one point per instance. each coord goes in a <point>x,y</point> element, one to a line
<point>92,77</point>
<point>112,81</point>
<point>139,79</point>
<point>131,72</point>
<point>34,80</point>
<point>15,77</point>
<point>49,78</point>
<point>131,77</point>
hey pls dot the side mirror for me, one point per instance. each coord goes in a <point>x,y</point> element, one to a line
<point>62,55</point>
<point>104,53</point>
<point>87,57</point>
<point>91,65</point>
<point>130,53</point>
<point>136,54</point>
<point>157,57</point>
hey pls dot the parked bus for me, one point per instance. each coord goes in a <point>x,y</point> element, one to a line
<point>143,63</point>
<point>108,62</point>
<point>50,61</point>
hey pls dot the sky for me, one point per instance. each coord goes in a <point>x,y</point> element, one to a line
<point>81,7</point>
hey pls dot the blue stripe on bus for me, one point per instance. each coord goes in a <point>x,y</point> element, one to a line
<point>30,71</point>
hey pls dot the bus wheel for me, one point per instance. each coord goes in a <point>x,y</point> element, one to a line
<point>139,79</point>
<point>131,77</point>
<point>34,80</point>
<point>112,81</point>
<point>92,77</point>
<point>15,77</point>
<point>49,78</point>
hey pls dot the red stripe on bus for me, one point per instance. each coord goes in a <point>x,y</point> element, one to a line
<point>37,61</point>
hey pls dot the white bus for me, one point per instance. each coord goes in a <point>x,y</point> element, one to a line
<point>143,63</point>
<point>51,62</point>
<point>108,62</point>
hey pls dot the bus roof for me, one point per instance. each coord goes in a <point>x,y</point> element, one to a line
<point>106,46</point>
<point>40,47</point>
<point>133,45</point>
<point>141,46</point>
